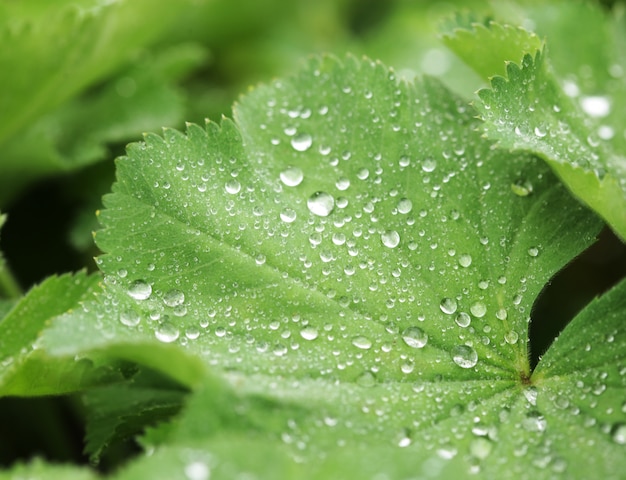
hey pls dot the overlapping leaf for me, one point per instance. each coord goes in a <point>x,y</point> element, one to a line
<point>27,371</point>
<point>531,110</point>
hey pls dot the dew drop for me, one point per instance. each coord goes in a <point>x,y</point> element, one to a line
<point>140,290</point>
<point>405,205</point>
<point>390,238</point>
<point>166,332</point>
<point>596,106</point>
<point>429,165</point>
<point>130,318</point>
<point>463,320</point>
<point>448,305</point>
<point>362,342</point>
<point>534,422</point>
<point>511,337</point>
<point>173,298</point>
<point>480,447</point>
<point>618,433</point>
<point>321,204</point>
<point>366,379</point>
<point>292,176</point>
<point>309,333</point>
<point>288,215</point>
<point>465,260</point>
<point>533,251</point>
<point>342,183</point>
<point>301,142</point>
<point>197,471</point>
<point>464,356</point>
<point>415,337</point>
<point>232,186</point>
<point>478,309</point>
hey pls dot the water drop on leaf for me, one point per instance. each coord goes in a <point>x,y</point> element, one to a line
<point>362,342</point>
<point>448,305</point>
<point>130,318</point>
<point>390,238</point>
<point>167,332</point>
<point>140,290</point>
<point>309,333</point>
<point>292,176</point>
<point>464,356</point>
<point>321,204</point>
<point>301,142</point>
<point>173,298</point>
<point>415,337</point>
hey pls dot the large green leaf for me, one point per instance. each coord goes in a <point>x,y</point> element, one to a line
<point>353,259</point>
<point>531,110</point>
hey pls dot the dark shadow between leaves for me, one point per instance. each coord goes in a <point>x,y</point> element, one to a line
<point>592,273</point>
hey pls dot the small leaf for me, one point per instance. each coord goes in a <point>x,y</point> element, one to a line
<point>119,412</point>
<point>25,371</point>
<point>529,111</point>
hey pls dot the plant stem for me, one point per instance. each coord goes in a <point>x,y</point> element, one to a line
<point>9,287</point>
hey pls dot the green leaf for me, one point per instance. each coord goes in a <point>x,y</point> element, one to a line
<point>25,369</point>
<point>350,249</point>
<point>529,111</point>
<point>40,470</point>
<point>118,412</point>
<point>512,44</point>
<point>61,50</point>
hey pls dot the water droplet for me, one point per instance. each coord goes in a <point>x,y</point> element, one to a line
<point>362,342</point>
<point>342,183</point>
<point>292,176</point>
<point>596,106</point>
<point>511,337</point>
<point>167,332</point>
<point>130,318</point>
<point>480,447</point>
<point>533,251</point>
<point>478,309</point>
<point>464,356</point>
<point>173,298</point>
<point>288,215</point>
<point>302,142</point>
<point>197,471</point>
<point>540,133</point>
<point>232,186</point>
<point>415,337</point>
<point>321,204</point>
<point>618,433</point>
<point>429,165</point>
<point>366,379</point>
<point>465,260</point>
<point>448,305</point>
<point>463,320</point>
<point>534,422</point>
<point>390,238</point>
<point>405,205</point>
<point>140,290</point>
<point>522,188</point>
<point>309,333</point>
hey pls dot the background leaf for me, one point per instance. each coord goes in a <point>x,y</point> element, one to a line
<point>530,111</point>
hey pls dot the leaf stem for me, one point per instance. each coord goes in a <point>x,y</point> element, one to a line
<point>9,286</point>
